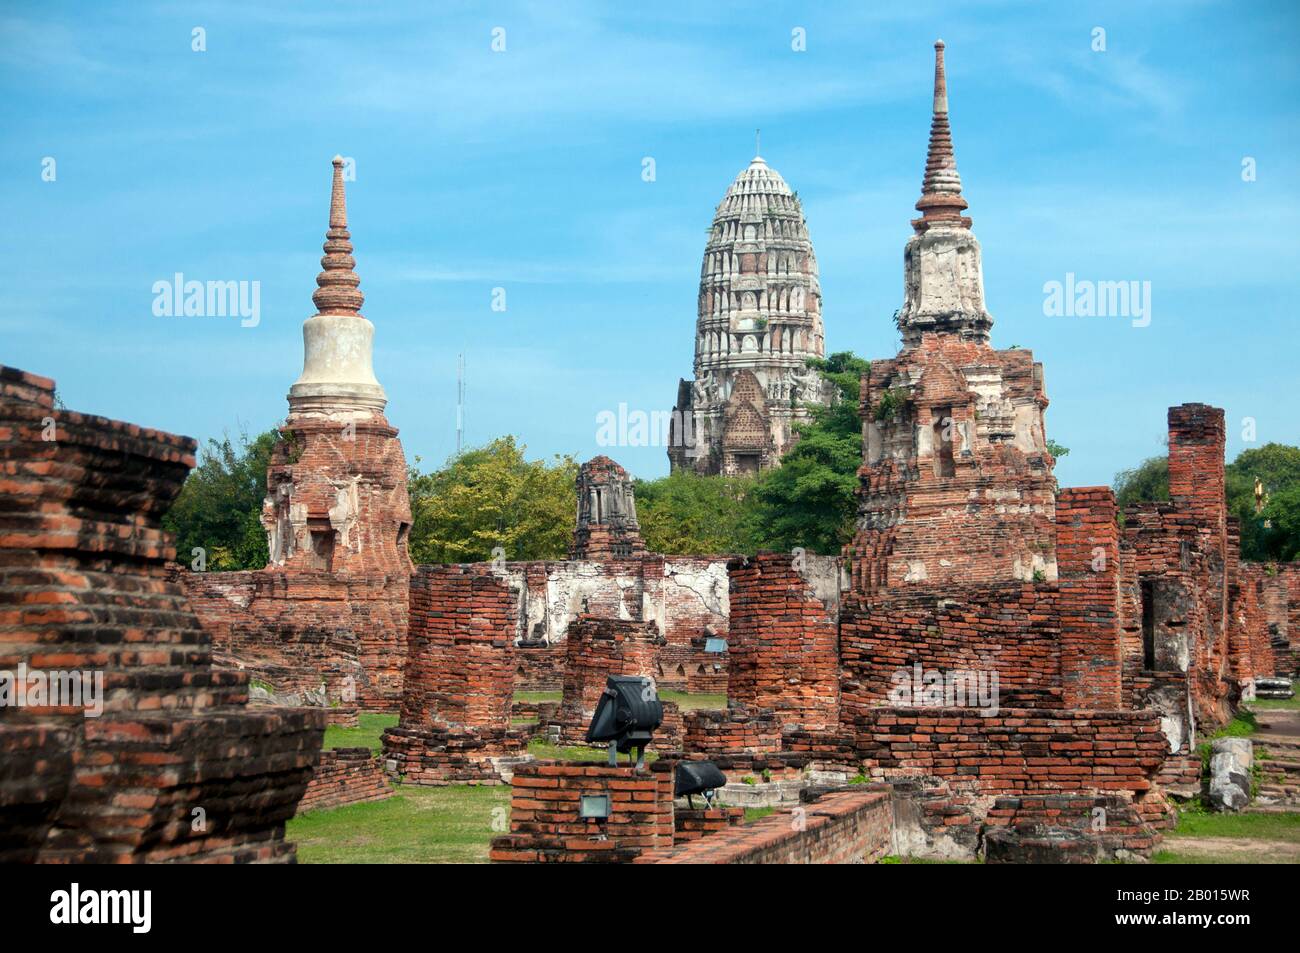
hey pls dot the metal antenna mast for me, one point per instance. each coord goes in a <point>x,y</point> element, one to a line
<point>460,402</point>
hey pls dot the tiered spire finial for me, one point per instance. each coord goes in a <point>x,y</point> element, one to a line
<point>941,200</point>
<point>337,289</point>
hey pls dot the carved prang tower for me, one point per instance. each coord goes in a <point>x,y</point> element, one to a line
<point>337,499</point>
<point>607,527</point>
<point>759,321</point>
<point>956,484</point>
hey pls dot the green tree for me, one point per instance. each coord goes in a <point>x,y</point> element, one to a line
<point>1270,535</point>
<point>219,508</point>
<point>493,496</point>
<point>685,514</point>
<point>809,499</point>
<point>1264,536</point>
<point>1147,482</point>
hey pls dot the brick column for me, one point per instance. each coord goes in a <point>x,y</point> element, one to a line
<point>1087,558</point>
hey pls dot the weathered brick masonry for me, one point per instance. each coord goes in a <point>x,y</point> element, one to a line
<point>546,825</point>
<point>346,776</point>
<point>644,825</point>
<point>84,588</point>
<point>455,723</point>
<point>784,667</point>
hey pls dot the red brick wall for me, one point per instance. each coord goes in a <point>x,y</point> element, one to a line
<point>784,643</point>
<point>345,776</point>
<point>1087,603</point>
<point>299,630</point>
<point>546,826</point>
<point>176,768</point>
<point>1016,751</point>
<point>1010,629</point>
<point>461,665</point>
<point>598,648</point>
<point>841,827</point>
<point>460,671</point>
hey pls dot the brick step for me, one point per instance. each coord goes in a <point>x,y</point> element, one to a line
<point>1284,766</point>
<point>1280,792</point>
<point>1271,809</point>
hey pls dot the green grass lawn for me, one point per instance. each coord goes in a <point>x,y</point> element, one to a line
<point>368,734</point>
<point>1267,704</point>
<point>687,701</point>
<point>1284,827</point>
<point>1273,835</point>
<point>543,750</point>
<point>420,825</point>
<point>536,697</point>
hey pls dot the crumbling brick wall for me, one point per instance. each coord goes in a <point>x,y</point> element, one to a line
<point>784,640</point>
<point>345,776</point>
<point>545,814</point>
<point>686,596</point>
<point>1178,579</point>
<point>1087,599</point>
<point>176,768</point>
<point>460,670</point>
<point>1010,631</point>
<point>840,827</point>
<point>303,630</point>
<point>1015,751</point>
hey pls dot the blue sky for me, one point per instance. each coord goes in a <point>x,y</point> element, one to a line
<point>522,169</point>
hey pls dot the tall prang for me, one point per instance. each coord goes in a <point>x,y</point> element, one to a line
<point>759,321</point>
<point>336,487</point>
<point>956,484</point>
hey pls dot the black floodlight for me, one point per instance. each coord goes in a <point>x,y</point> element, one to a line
<point>715,644</point>
<point>697,777</point>
<point>626,716</point>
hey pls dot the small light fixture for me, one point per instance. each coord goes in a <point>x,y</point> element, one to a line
<point>594,807</point>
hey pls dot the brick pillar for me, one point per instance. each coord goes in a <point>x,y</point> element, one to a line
<point>1196,441</point>
<point>1087,558</point>
<point>460,673</point>
<point>784,638</point>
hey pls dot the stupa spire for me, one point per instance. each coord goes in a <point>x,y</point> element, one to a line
<point>941,200</point>
<point>338,290</point>
<point>338,375</point>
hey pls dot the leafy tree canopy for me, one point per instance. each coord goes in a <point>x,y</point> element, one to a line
<point>219,508</point>
<point>685,514</point>
<point>1273,534</point>
<point>493,496</point>
<point>808,500</point>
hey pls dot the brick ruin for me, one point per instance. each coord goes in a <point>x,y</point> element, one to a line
<point>456,708</point>
<point>176,766</point>
<point>325,622</point>
<point>991,662</point>
<point>1007,657</point>
<point>685,597</point>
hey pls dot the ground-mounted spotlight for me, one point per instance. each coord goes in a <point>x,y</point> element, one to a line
<point>626,716</point>
<point>698,777</point>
